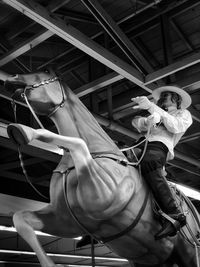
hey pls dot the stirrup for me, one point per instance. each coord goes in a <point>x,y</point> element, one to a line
<point>170,226</point>
<point>168,229</point>
<point>167,217</point>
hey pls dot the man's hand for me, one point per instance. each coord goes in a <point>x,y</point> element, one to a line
<point>153,119</point>
<point>142,101</point>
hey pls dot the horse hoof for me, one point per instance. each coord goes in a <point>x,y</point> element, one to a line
<point>19,134</point>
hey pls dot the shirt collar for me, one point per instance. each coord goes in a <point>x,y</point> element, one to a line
<point>172,108</point>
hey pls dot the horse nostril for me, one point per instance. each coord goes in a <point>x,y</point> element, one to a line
<point>18,94</point>
<point>13,86</point>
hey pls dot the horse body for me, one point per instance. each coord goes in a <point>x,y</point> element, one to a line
<point>103,196</point>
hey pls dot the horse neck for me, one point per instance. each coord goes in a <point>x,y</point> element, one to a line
<point>74,119</point>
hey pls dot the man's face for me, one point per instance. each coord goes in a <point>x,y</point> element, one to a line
<point>166,100</point>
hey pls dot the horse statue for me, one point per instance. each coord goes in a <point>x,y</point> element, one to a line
<point>93,190</point>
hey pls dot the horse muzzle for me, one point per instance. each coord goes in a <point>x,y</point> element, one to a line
<point>13,86</point>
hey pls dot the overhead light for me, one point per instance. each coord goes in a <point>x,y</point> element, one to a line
<point>12,229</point>
<point>189,192</point>
<point>85,257</point>
<point>37,263</point>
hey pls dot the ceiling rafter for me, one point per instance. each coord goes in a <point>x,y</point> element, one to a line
<point>145,26</point>
<point>172,10</point>
<point>110,125</point>
<point>21,25</point>
<point>5,46</point>
<point>77,16</point>
<point>118,36</point>
<point>179,31</point>
<point>166,44</point>
<point>173,68</point>
<point>25,46</point>
<point>147,76</point>
<point>16,164</point>
<point>98,34</point>
<point>78,39</point>
<point>54,25</point>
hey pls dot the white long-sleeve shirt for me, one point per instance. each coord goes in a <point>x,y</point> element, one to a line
<point>174,124</point>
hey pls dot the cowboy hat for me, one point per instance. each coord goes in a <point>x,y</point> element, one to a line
<point>186,99</point>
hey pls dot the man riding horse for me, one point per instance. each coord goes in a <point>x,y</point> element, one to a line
<point>170,119</point>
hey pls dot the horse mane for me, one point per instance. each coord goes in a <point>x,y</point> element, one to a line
<point>88,127</point>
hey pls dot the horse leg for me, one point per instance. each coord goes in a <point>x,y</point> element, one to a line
<point>93,180</point>
<point>26,222</point>
<point>21,134</point>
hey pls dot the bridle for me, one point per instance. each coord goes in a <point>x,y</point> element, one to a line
<point>35,86</point>
<point>23,95</point>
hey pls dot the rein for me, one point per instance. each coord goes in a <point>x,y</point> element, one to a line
<point>32,87</point>
<point>21,158</point>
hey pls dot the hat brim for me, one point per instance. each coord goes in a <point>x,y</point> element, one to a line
<point>186,99</point>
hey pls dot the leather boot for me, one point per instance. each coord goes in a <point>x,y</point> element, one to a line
<point>170,228</point>
<point>164,197</point>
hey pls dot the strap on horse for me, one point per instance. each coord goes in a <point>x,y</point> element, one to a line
<point>82,226</point>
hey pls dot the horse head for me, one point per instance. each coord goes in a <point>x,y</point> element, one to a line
<point>39,89</point>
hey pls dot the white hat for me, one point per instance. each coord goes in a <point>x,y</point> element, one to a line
<point>186,99</point>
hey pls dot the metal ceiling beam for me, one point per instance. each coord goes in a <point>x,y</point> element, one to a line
<point>179,31</point>
<point>166,44</point>
<point>98,34</point>
<point>108,124</point>
<point>118,36</point>
<point>78,39</point>
<point>5,46</point>
<point>113,77</point>
<point>20,26</point>
<point>97,84</point>
<point>183,157</point>
<point>16,164</point>
<point>190,137</point>
<point>173,9</point>
<point>25,46</point>
<point>76,16</point>
<point>173,68</point>
<point>145,23</point>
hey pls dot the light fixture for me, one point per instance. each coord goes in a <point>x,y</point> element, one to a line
<point>85,257</point>
<point>189,192</point>
<point>37,263</point>
<point>12,229</point>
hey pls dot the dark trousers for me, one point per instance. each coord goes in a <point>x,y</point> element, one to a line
<point>152,171</point>
<point>154,158</point>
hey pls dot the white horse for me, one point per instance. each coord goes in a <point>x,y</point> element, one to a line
<point>93,191</point>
